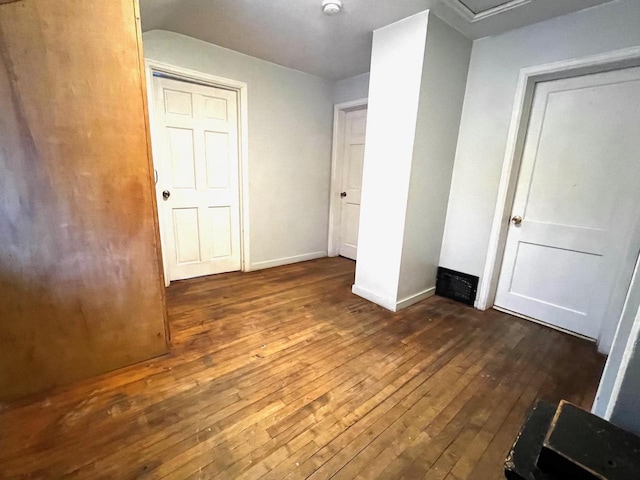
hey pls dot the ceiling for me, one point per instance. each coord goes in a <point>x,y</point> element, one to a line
<point>296,34</point>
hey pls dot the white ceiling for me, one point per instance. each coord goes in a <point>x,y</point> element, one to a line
<point>296,34</point>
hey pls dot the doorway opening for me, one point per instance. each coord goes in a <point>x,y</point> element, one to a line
<point>347,159</point>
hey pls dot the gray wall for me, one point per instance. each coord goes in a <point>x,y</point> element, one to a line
<point>290,129</point>
<point>352,88</point>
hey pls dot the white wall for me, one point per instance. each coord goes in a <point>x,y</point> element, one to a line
<point>352,88</point>
<point>490,93</point>
<point>625,409</point>
<point>442,91</point>
<point>607,388</point>
<point>622,405</point>
<point>394,91</point>
<point>417,84</point>
<point>290,128</point>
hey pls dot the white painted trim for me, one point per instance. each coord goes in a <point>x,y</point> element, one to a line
<point>286,261</point>
<point>628,57</point>
<point>243,147</point>
<point>387,303</point>
<point>335,205</point>
<point>634,335</point>
<point>410,300</point>
<point>460,8</point>
<point>604,399</point>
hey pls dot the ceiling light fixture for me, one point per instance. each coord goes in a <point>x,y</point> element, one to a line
<point>331,7</point>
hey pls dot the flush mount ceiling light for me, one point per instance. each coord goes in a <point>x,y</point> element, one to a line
<point>331,7</point>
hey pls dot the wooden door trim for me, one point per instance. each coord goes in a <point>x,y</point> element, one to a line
<point>337,148</point>
<point>164,280</point>
<point>618,59</point>
<point>240,88</point>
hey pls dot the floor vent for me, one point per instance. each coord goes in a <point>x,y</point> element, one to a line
<point>457,286</point>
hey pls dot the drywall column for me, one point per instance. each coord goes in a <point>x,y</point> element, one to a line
<point>444,79</point>
<point>417,81</point>
<point>394,92</point>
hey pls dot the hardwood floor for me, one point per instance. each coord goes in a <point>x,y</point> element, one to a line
<point>283,373</point>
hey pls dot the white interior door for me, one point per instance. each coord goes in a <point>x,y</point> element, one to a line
<point>569,262</point>
<point>197,150</point>
<point>352,161</point>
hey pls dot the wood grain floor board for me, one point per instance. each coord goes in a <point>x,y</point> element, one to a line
<point>411,436</point>
<point>415,407</point>
<point>470,438</point>
<point>284,373</point>
<point>382,406</point>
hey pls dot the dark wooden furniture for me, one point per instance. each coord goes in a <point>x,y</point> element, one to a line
<point>521,463</point>
<point>566,442</point>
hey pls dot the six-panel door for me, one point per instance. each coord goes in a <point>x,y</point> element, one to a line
<point>197,130</point>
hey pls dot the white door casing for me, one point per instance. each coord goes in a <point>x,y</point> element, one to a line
<point>197,146</point>
<point>340,111</point>
<point>352,161</point>
<point>570,261</point>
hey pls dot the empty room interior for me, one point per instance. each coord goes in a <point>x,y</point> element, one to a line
<point>346,239</point>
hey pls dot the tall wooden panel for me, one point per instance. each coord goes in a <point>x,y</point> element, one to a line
<point>81,288</point>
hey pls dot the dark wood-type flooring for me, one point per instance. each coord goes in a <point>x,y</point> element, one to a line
<point>283,373</point>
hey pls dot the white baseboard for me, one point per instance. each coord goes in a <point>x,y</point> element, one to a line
<point>389,303</point>
<point>286,261</point>
<point>415,298</point>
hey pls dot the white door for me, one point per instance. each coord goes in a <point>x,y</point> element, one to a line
<point>570,260</point>
<point>352,161</point>
<point>196,147</point>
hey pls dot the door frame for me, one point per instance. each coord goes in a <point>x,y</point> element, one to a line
<point>615,60</point>
<point>337,148</point>
<point>201,78</point>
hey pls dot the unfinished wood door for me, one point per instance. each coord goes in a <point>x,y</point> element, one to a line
<point>81,288</point>
<point>352,162</point>
<point>574,236</point>
<point>197,149</point>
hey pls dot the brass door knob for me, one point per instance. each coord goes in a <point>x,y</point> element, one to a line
<point>517,220</point>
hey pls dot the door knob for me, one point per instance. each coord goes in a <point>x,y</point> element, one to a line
<point>166,194</point>
<point>343,194</point>
<point>517,220</point>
